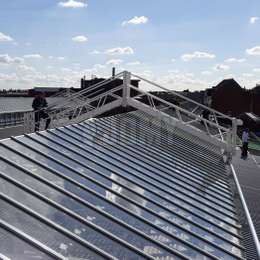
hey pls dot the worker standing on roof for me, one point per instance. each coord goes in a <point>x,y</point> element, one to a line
<point>245,137</point>
<point>39,104</point>
<point>205,114</point>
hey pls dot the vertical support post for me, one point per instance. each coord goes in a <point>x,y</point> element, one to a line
<point>234,134</point>
<point>67,93</point>
<point>228,150</point>
<point>231,139</point>
<point>126,88</point>
<point>29,122</point>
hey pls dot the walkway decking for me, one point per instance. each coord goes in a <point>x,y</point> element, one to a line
<point>248,173</point>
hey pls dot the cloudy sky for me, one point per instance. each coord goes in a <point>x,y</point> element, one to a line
<point>178,43</point>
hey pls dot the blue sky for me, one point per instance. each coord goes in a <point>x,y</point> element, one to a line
<point>179,43</point>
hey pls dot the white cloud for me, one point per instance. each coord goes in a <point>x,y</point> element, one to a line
<point>146,74</point>
<point>95,52</point>
<point>221,67</point>
<point>173,60</point>
<point>7,60</point>
<point>98,67</point>
<point>26,68</point>
<point>56,58</point>
<point>256,70</point>
<point>136,20</point>
<point>80,38</point>
<point>247,75</point>
<point>8,77</point>
<point>24,79</point>
<point>234,60</point>
<point>119,51</point>
<point>66,70</point>
<point>72,4</point>
<point>180,81</point>
<point>253,19</point>
<point>5,38</point>
<point>173,71</point>
<point>133,63</point>
<point>32,56</point>
<point>17,60</point>
<point>255,51</point>
<point>206,72</point>
<point>114,62</point>
<point>76,65</point>
<point>228,76</point>
<point>197,55</point>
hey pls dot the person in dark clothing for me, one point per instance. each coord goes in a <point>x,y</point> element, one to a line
<point>205,114</point>
<point>245,137</point>
<point>39,104</point>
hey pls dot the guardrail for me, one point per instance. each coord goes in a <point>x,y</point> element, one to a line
<point>247,213</point>
<point>197,124</point>
<point>81,105</point>
<point>91,101</point>
<point>12,118</point>
<point>17,117</point>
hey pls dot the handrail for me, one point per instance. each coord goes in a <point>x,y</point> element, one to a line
<point>99,96</point>
<point>12,118</point>
<point>181,109</point>
<point>93,87</point>
<point>247,213</point>
<point>64,91</point>
<point>85,91</point>
<point>231,132</point>
<point>15,112</point>
<point>184,97</point>
<point>87,104</point>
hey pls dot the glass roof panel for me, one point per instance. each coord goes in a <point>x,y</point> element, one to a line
<point>137,196</point>
<point>15,248</point>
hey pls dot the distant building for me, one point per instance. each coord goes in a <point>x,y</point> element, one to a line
<point>256,90</point>
<point>197,96</point>
<point>14,93</point>
<point>230,98</point>
<point>250,121</point>
<point>49,91</point>
<point>94,91</point>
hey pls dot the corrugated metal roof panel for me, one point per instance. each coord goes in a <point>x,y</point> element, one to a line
<point>123,187</point>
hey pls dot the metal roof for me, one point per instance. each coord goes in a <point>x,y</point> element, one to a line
<point>122,187</point>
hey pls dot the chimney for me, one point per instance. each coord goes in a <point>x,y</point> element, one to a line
<point>113,72</point>
<point>82,83</point>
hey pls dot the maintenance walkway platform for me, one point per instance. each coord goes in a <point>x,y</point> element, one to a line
<point>248,174</point>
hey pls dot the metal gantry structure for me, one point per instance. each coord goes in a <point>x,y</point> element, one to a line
<point>146,184</point>
<point>94,101</point>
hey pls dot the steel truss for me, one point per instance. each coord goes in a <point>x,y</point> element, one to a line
<point>94,101</point>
